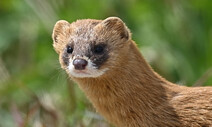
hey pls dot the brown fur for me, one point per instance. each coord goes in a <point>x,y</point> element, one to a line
<point>130,93</point>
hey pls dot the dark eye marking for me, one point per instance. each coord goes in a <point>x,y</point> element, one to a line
<point>66,54</point>
<point>99,54</point>
<point>99,49</point>
<point>99,60</point>
<point>69,49</point>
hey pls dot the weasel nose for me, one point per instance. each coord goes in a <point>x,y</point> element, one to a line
<point>79,64</point>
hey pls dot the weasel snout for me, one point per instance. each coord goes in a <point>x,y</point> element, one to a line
<point>80,64</point>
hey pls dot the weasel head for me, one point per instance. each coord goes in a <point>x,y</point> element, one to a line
<point>90,48</point>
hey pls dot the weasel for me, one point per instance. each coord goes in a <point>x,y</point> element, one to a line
<point>101,57</point>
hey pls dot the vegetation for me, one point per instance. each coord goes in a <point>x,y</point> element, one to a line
<point>175,36</point>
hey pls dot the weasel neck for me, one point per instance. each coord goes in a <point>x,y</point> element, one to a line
<point>133,94</point>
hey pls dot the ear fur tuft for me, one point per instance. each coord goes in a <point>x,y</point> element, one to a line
<point>59,31</point>
<point>115,23</point>
<point>59,28</point>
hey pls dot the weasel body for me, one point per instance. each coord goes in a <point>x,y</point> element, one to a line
<point>102,58</point>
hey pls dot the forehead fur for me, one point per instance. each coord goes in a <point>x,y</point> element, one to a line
<point>84,27</point>
<point>83,31</point>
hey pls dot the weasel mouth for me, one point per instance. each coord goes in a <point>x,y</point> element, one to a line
<point>81,72</point>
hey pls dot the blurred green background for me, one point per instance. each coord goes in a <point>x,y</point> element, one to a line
<point>175,37</point>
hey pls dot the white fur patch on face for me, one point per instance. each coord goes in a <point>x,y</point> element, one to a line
<point>90,70</point>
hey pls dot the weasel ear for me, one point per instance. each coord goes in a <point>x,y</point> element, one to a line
<point>117,25</point>
<point>59,32</point>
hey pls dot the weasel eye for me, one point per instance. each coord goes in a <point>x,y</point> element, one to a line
<point>98,49</point>
<point>69,49</point>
